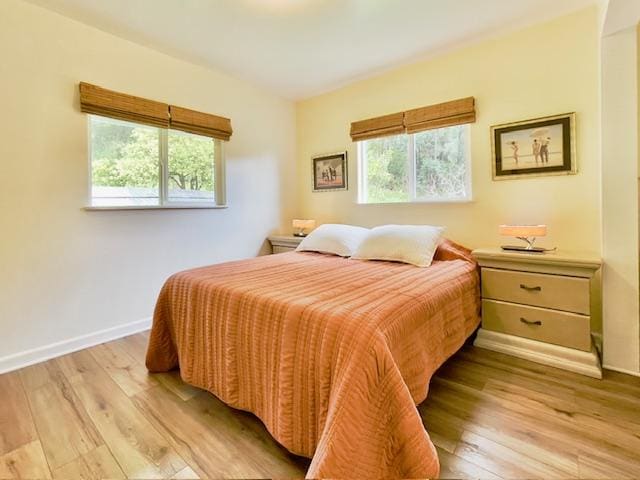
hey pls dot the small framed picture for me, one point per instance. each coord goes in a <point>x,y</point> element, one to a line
<point>330,172</point>
<point>537,147</point>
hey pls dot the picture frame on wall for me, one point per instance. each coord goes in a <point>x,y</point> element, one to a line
<point>533,148</point>
<point>330,172</point>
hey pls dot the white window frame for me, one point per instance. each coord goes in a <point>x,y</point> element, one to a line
<point>411,159</point>
<point>219,185</point>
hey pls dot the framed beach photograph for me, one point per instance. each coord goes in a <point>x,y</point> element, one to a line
<point>330,172</point>
<point>537,147</point>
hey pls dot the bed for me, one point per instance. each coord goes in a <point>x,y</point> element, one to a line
<point>332,354</point>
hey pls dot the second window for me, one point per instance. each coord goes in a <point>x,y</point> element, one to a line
<point>429,166</point>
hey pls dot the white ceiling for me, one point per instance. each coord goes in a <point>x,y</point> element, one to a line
<point>298,48</point>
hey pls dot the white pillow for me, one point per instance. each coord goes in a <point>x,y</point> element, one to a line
<point>333,238</point>
<point>414,244</point>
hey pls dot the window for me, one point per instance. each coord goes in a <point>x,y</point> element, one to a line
<point>134,165</point>
<point>428,166</point>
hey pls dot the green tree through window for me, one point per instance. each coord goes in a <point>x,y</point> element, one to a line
<point>190,162</point>
<point>428,166</point>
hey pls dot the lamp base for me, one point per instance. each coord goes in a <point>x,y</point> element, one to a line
<point>516,248</point>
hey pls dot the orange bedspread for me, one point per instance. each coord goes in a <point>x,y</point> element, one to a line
<point>332,354</point>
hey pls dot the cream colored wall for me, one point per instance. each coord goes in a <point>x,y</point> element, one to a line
<point>66,271</point>
<point>543,70</point>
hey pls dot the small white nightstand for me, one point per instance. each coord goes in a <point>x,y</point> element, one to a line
<point>284,243</point>
<point>541,307</point>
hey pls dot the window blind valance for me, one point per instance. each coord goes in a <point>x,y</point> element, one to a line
<point>378,127</point>
<point>200,123</point>
<point>100,101</point>
<point>107,103</point>
<point>447,114</point>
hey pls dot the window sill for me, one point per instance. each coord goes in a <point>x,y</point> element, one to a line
<point>420,202</point>
<point>154,207</point>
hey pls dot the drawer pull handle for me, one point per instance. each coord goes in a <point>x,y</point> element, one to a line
<point>530,322</point>
<point>530,289</point>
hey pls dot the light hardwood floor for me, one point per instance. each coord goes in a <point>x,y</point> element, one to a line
<point>98,414</point>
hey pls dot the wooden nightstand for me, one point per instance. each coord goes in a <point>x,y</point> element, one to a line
<point>541,307</point>
<point>284,243</point>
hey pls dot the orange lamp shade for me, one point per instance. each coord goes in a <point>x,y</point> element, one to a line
<point>303,224</point>
<point>299,226</point>
<point>523,230</point>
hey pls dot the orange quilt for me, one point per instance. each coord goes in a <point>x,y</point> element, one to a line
<point>332,354</point>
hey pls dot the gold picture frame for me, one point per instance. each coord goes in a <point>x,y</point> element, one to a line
<point>534,148</point>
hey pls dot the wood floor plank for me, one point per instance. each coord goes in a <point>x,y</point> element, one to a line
<point>67,434</point>
<point>545,396</point>
<point>587,423</point>
<point>94,465</point>
<point>443,443</point>
<point>16,424</point>
<point>136,345</point>
<point>138,448</point>
<point>268,454</point>
<point>172,382</point>
<point>186,474</point>
<point>556,459</point>
<point>609,388</point>
<point>559,432</point>
<point>211,439</point>
<point>535,400</point>
<point>507,430</point>
<point>604,466</point>
<point>454,467</point>
<point>621,415</point>
<point>35,376</point>
<point>130,375</point>
<point>76,364</point>
<point>197,441</point>
<point>462,374</point>
<point>26,462</point>
<point>503,461</point>
<point>445,430</point>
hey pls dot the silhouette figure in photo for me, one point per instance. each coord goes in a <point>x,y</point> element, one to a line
<point>544,149</point>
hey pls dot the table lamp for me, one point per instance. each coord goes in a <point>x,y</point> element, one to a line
<point>299,227</point>
<point>526,233</point>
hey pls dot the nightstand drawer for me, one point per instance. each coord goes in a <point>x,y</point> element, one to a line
<point>559,292</point>
<point>551,326</point>
<point>281,249</point>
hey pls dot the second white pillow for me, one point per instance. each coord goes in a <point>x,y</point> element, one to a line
<point>414,244</point>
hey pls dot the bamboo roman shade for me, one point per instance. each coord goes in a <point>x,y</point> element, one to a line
<point>100,101</point>
<point>456,112</point>
<point>378,127</point>
<point>107,103</point>
<point>448,114</point>
<point>200,123</point>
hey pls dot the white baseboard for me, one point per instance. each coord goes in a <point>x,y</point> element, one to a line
<point>585,363</point>
<point>46,352</point>
<point>621,370</point>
